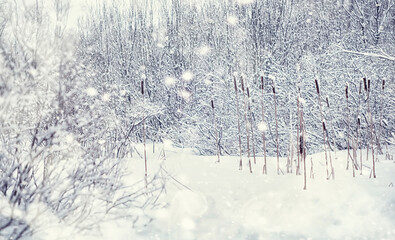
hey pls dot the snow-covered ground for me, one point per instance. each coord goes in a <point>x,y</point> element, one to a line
<point>214,201</point>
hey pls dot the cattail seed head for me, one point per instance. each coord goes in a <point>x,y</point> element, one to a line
<point>383,84</point>
<point>369,85</point>
<point>234,81</point>
<point>274,89</point>
<point>212,104</point>
<point>365,85</point>
<point>301,145</point>
<point>347,91</point>
<point>360,88</point>
<point>142,87</point>
<point>316,86</point>
<point>248,92</point>
<point>323,126</point>
<point>242,84</point>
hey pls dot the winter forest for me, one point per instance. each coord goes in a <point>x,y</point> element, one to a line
<point>188,119</point>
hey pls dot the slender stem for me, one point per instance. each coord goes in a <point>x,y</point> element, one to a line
<point>264,171</point>
<point>144,140</point>
<point>238,125</point>
<point>275,116</point>
<point>216,131</point>
<point>247,125</point>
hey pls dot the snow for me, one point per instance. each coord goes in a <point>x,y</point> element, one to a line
<point>243,2</point>
<point>208,200</point>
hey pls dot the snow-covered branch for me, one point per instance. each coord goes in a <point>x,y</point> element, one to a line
<point>371,54</point>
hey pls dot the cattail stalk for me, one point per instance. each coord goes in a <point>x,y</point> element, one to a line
<point>251,119</point>
<point>324,130</point>
<point>275,116</point>
<point>380,120</point>
<point>302,148</point>
<point>144,139</point>
<point>264,171</point>
<point>216,131</point>
<point>367,89</point>
<point>359,125</point>
<point>290,147</point>
<point>238,124</point>
<point>247,125</point>
<point>348,128</point>
<point>367,121</point>
<point>298,131</point>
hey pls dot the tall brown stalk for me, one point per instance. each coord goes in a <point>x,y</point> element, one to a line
<point>370,127</point>
<point>324,134</point>
<point>264,171</point>
<point>379,147</point>
<point>216,131</point>
<point>298,132</point>
<point>247,124</point>
<point>302,148</point>
<point>251,119</point>
<point>144,139</point>
<point>353,159</point>
<point>238,124</point>
<point>275,116</point>
<point>348,127</point>
<point>359,126</point>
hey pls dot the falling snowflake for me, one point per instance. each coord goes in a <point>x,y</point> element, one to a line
<point>242,2</point>
<point>170,81</point>
<point>302,101</point>
<point>187,76</point>
<point>207,81</point>
<point>232,20</point>
<point>262,127</point>
<point>106,97</point>
<point>69,138</point>
<point>203,50</point>
<point>184,94</point>
<point>91,92</point>
<point>272,77</point>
